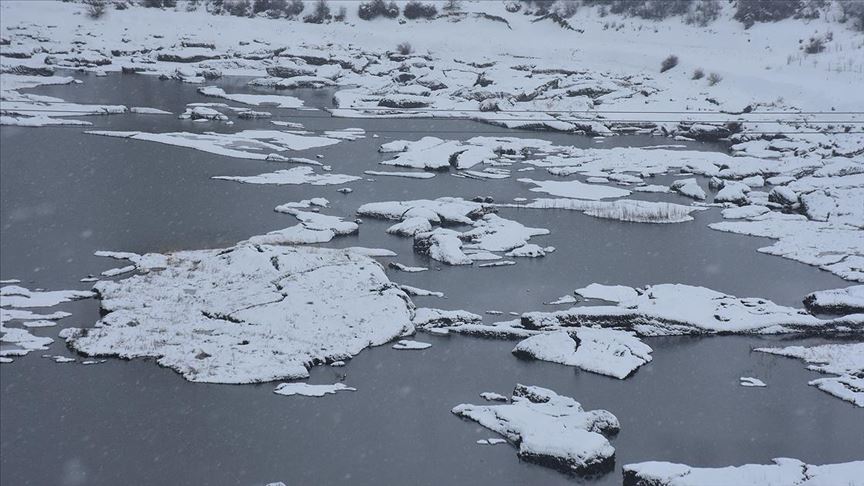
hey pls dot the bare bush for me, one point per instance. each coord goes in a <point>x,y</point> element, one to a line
<point>703,12</point>
<point>698,73</point>
<point>404,49</point>
<point>714,78</point>
<point>340,14</point>
<point>668,63</point>
<point>751,11</point>
<point>239,8</point>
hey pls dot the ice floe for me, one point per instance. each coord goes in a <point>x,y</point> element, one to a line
<point>279,101</point>
<point>246,144</point>
<point>749,381</point>
<point>406,344</point>
<point>267,313</point>
<point>628,210</point>
<point>844,360</point>
<point>293,176</point>
<point>550,429</point>
<point>782,472</point>
<point>306,390</point>
<point>607,352</point>
<point>837,301</point>
<point>576,189</point>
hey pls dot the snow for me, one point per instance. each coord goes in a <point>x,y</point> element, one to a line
<point>293,176</point>
<point>406,344</point>
<point>306,390</point>
<point>837,301</point>
<point>143,110</point>
<point>113,272</point>
<point>442,245</point>
<point>442,209</point>
<point>564,299</point>
<point>418,292</point>
<point>604,351</point>
<point>550,429</point>
<point>844,360</point>
<point>268,313</point>
<point>278,101</point>
<point>491,441</point>
<point>749,381</point>
<point>782,472</point>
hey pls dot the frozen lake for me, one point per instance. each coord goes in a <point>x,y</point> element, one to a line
<point>66,194</point>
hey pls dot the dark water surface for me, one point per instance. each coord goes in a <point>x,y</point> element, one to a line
<point>64,195</point>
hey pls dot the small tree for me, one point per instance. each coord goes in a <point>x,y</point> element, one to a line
<point>668,63</point>
<point>415,10</point>
<point>96,8</point>
<point>751,11</point>
<point>294,8</point>
<point>698,74</point>
<point>321,13</point>
<point>341,14</point>
<point>239,8</point>
<point>452,5</point>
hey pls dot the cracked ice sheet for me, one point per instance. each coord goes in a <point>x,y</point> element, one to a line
<point>607,352</point>
<point>844,360</point>
<point>16,296</point>
<point>783,472</point>
<point>293,176</point>
<point>247,144</point>
<point>550,429</point>
<point>268,313</point>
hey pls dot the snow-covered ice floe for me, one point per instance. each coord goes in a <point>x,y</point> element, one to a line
<point>782,472</point>
<point>248,313</point>
<point>604,351</point>
<point>749,381</point>
<point>837,301</point>
<point>246,144</point>
<point>550,429</point>
<point>407,344</point>
<point>844,360</point>
<point>306,390</point>
<point>628,210</point>
<point>671,309</point>
<point>279,101</point>
<point>293,176</point>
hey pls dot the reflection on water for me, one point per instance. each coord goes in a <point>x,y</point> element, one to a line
<point>65,195</point>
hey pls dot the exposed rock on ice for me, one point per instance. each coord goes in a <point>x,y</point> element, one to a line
<point>604,351</point>
<point>783,472</point>
<point>418,292</point>
<point>267,313</point>
<point>293,176</point>
<point>202,113</point>
<point>442,245</point>
<point>406,344</point>
<point>550,429</point>
<point>306,390</point>
<point>427,318</point>
<point>529,250</point>
<point>845,360</point>
<point>752,382</point>
<point>837,301</point>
